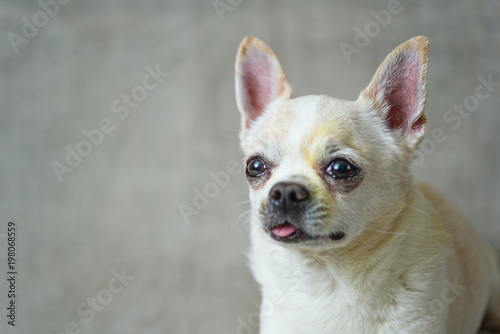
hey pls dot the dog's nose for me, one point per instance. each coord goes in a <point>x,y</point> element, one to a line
<point>287,194</point>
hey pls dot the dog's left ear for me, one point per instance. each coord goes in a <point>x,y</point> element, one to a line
<point>259,80</point>
<point>398,90</point>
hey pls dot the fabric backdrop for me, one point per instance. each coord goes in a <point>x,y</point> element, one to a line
<point>116,115</point>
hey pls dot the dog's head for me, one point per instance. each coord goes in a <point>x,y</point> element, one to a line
<point>324,171</point>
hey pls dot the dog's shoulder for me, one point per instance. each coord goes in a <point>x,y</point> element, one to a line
<point>463,234</point>
<point>470,260</point>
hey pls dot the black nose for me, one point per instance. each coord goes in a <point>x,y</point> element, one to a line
<point>287,195</point>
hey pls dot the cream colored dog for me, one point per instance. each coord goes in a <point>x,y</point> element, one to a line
<point>343,240</point>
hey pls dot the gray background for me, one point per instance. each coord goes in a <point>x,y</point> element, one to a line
<point>120,207</point>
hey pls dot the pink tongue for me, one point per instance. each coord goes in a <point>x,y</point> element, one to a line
<point>284,230</point>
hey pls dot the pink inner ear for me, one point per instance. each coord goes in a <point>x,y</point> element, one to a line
<point>401,91</point>
<point>260,82</point>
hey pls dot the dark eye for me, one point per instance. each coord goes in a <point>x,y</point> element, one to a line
<point>341,169</point>
<point>256,167</point>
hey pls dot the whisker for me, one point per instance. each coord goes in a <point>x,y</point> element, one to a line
<point>243,214</point>
<point>411,206</point>
<point>241,222</point>
<point>387,232</point>
<point>237,205</point>
<point>367,228</point>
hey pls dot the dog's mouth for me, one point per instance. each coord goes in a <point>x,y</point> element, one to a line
<point>290,233</point>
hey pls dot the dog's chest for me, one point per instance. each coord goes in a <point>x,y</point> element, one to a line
<point>311,300</point>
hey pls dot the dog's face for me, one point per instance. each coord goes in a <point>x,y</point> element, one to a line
<point>323,171</point>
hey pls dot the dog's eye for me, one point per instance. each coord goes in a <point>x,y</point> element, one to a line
<point>341,169</point>
<point>256,167</point>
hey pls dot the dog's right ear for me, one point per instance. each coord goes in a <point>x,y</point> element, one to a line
<point>259,80</point>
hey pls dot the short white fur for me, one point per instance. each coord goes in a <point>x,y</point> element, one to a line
<point>403,245</point>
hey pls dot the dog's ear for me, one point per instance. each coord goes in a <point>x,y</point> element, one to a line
<point>398,90</point>
<point>259,80</point>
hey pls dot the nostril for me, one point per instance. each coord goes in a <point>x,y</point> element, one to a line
<point>275,194</point>
<point>297,194</point>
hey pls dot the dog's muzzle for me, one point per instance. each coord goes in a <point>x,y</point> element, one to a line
<point>284,218</point>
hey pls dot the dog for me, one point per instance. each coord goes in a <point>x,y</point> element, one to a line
<point>343,240</point>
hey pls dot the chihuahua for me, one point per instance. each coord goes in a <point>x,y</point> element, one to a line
<point>343,239</point>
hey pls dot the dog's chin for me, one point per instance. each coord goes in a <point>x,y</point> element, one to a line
<point>288,233</point>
